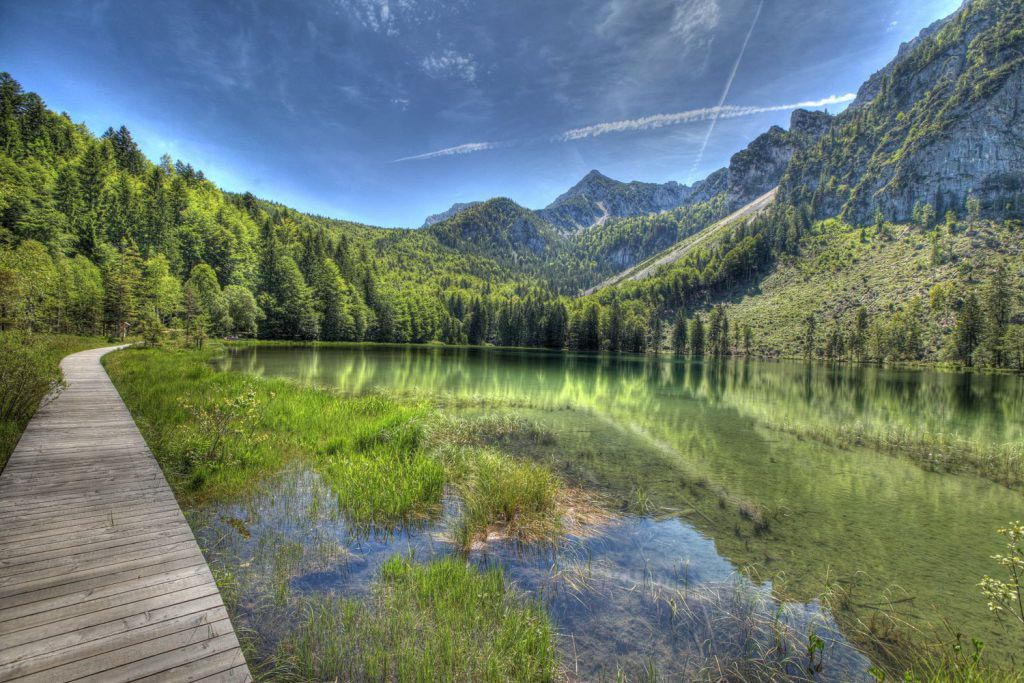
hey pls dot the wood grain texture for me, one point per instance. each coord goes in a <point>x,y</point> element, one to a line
<point>100,575</point>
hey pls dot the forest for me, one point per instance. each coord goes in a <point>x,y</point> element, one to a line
<point>97,239</point>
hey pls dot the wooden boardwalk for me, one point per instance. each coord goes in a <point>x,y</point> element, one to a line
<point>101,578</point>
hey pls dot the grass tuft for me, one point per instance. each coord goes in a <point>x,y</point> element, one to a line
<point>426,622</point>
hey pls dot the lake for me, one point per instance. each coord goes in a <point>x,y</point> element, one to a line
<point>728,486</point>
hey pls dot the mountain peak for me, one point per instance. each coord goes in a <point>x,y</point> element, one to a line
<point>597,197</point>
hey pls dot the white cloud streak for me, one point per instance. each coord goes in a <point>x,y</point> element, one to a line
<point>646,123</point>
<point>467,148</point>
<point>726,89</point>
<point>692,116</point>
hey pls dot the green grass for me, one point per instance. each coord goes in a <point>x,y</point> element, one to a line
<point>388,460</point>
<point>443,621</point>
<point>29,370</point>
<point>837,272</point>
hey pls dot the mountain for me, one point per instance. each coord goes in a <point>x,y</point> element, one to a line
<point>895,233</point>
<point>445,215</point>
<point>501,230</point>
<point>940,124</point>
<point>597,197</point>
<point>759,167</point>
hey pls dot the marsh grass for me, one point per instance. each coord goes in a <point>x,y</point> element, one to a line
<point>425,622</point>
<point>29,372</point>
<point>1002,463</point>
<point>387,460</point>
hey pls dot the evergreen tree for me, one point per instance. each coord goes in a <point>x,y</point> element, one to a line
<point>968,329</point>
<point>697,336</point>
<point>122,284</point>
<point>614,333</point>
<point>810,331</point>
<point>588,330</point>
<point>333,302</point>
<point>679,333</point>
<point>859,334</point>
<point>996,305</point>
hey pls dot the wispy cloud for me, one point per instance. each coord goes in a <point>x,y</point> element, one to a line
<point>727,88</point>
<point>692,116</point>
<point>450,64</point>
<point>645,123</point>
<point>467,148</point>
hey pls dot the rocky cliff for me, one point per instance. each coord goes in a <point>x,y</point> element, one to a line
<point>760,166</point>
<point>941,123</point>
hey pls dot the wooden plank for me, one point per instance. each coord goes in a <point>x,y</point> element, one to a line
<point>156,566</point>
<point>100,575</point>
<point>175,665</point>
<point>62,603</point>
<point>101,654</point>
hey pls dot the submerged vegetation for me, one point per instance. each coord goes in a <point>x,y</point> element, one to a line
<point>451,483</point>
<point>387,461</point>
<point>440,621</point>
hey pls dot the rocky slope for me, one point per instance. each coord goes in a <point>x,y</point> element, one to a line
<point>759,167</point>
<point>597,197</point>
<point>445,215</point>
<point>941,123</point>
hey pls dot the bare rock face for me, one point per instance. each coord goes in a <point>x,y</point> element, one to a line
<point>597,197</point>
<point>445,215</point>
<point>943,122</point>
<point>760,166</point>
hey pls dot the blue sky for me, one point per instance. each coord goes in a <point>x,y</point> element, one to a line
<point>383,111</point>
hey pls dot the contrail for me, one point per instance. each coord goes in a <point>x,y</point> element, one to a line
<point>728,87</point>
<point>467,148</point>
<point>729,111</point>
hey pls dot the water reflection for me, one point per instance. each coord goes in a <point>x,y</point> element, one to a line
<point>711,444</point>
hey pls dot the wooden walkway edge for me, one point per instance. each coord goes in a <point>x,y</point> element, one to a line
<point>101,578</point>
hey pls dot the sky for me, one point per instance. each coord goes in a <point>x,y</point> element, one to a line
<point>385,111</point>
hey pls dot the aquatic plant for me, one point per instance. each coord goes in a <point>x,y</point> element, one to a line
<point>425,622</point>
<point>1007,597</point>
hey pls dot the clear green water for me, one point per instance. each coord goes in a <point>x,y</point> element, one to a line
<point>700,443</point>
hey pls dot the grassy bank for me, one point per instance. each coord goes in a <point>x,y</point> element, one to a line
<point>29,370</point>
<point>388,461</point>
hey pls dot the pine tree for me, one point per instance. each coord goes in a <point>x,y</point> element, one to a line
<point>679,333</point>
<point>614,333</point>
<point>859,334</point>
<point>996,304</point>
<point>968,330</point>
<point>810,330</point>
<point>122,285</point>
<point>697,336</point>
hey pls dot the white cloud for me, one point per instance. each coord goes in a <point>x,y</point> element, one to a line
<point>450,64</point>
<point>651,122</point>
<point>467,148</point>
<point>705,114</point>
<point>374,15</point>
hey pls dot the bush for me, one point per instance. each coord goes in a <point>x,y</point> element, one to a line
<point>29,371</point>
